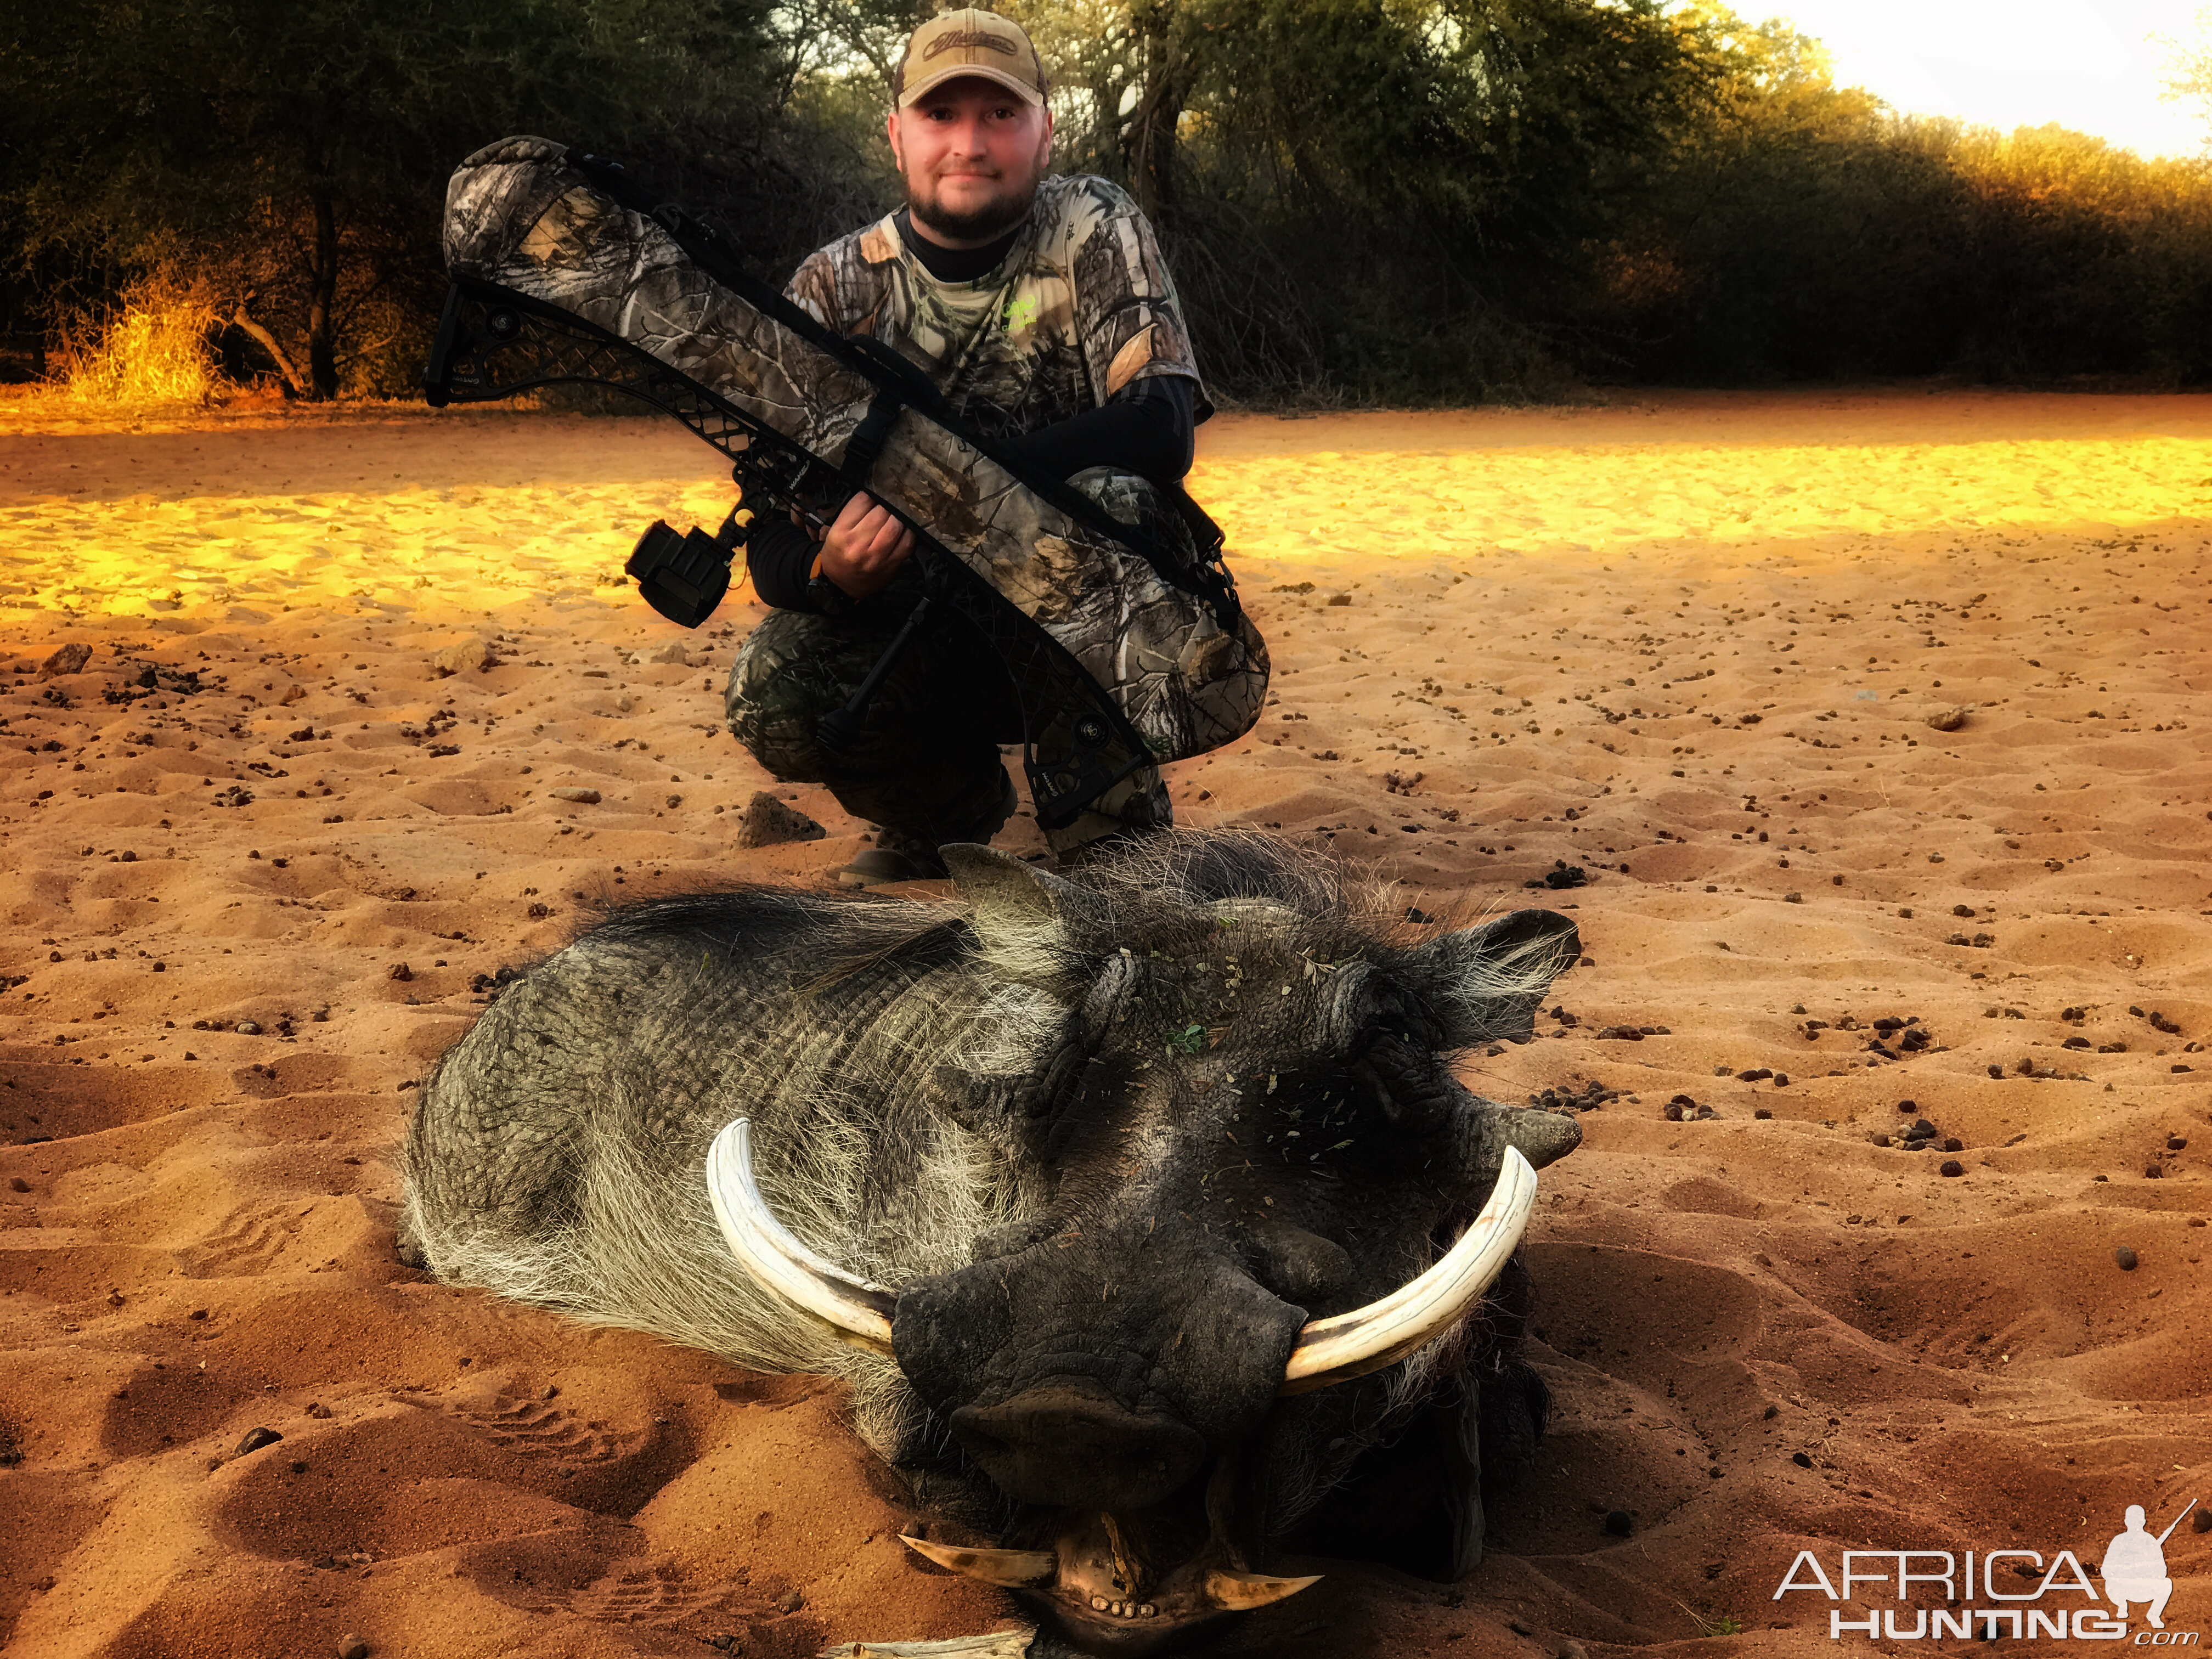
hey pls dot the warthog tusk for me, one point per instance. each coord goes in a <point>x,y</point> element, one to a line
<point>1239,1592</point>
<point>1127,1565</point>
<point>1008,1567</point>
<point>1349,1345</point>
<point>858,1312</point>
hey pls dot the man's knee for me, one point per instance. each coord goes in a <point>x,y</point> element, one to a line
<point>923,755</point>
<point>793,670</point>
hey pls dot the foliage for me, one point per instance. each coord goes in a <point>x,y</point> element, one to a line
<point>2189,63</point>
<point>152,347</point>
<point>1401,201</point>
<point>297,149</point>
<point>1808,232</point>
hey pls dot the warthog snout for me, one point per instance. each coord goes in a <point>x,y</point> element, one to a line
<point>1078,1448</point>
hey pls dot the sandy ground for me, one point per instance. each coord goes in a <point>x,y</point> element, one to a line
<point>1688,646</point>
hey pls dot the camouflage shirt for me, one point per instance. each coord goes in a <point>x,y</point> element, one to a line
<point>1081,305</point>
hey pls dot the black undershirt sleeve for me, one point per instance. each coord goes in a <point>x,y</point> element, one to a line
<point>780,556</point>
<point>1146,427</point>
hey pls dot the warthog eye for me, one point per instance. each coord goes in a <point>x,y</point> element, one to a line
<point>1403,1080</point>
<point>1078,1089</point>
<point>1049,1094</point>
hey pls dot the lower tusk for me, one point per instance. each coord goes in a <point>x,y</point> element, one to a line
<point>1126,1562</point>
<point>858,1312</point>
<point>1349,1345</point>
<point>1241,1592</point>
<point>1008,1567</point>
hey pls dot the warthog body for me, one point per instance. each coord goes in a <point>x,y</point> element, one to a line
<point>1112,1144</point>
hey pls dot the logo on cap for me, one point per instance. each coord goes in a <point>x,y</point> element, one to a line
<point>968,39</point>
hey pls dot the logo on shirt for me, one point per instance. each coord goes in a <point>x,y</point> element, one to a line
<point>1021,311</point>
<point>2057,1601</point>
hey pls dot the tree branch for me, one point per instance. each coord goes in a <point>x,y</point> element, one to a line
<point>268,343</point>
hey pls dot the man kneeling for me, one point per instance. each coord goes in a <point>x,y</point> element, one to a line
<point>1043,311</point>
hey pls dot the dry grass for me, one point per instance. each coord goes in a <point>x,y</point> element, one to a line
<point>153,348</point>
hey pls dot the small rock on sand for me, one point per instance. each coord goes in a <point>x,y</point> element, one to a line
<point>70,660</point>
<point>769,821</point>
<point>255,1439</point>
<point>571,792</point>
<point>1946,719</point>
<point>679,652</point>
<point>460,659</point>
<point>2125,1258</point>
<point>353,1647</point>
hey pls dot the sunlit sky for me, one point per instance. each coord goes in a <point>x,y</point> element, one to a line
<point>2084,63</point>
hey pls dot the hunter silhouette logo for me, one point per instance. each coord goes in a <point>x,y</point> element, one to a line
<point>2134,1568</point>
<point>2021,1595</point>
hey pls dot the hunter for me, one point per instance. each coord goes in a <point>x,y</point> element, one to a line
<point>1041,310</point>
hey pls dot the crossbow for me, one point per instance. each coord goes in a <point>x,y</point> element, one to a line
<point>494,343</point>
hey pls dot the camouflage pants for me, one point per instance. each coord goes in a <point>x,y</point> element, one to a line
<point>925,766</point>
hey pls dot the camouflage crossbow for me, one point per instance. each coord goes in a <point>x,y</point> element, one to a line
<point>1125,645</point>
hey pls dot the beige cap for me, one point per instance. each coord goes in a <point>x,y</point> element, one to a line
<point>969,42</point>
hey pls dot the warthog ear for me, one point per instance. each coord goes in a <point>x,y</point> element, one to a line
<point>1486,981</point>
<point>1032,925</point>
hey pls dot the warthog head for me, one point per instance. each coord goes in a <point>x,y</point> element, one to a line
<point>1259,1225</point>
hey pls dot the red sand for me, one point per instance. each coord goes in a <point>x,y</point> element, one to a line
<point>1548,610</point>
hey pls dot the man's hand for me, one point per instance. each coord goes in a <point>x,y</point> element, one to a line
<point>864,547</point>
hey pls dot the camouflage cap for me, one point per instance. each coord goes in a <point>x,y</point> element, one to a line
<point>969,42</point>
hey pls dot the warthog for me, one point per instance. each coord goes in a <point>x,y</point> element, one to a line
<point>1127,1204</point>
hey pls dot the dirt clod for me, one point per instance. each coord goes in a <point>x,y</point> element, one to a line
<point>769,821</point>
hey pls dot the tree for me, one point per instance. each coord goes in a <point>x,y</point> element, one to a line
<point>2189,64</point>
<point>299,148</point>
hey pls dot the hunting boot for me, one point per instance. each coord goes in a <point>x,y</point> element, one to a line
<point>900,856</point>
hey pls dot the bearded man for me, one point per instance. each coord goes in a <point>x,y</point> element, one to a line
<point>1040,309</point>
